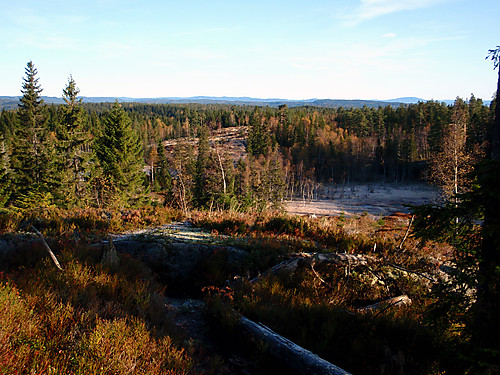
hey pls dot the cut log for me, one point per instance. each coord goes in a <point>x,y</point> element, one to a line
<point>298,359</point>
<point>288,266</point>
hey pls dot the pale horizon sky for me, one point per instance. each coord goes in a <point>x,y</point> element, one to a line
<point>336,49</point>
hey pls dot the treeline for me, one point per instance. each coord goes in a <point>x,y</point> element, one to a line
<point>326,144</point>
<point>51,156</point>
<point>110,154</point>
<point>367,144</point>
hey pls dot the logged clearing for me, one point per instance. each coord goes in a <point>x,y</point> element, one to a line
<point>374,199</point>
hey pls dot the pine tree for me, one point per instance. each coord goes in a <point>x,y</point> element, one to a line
<point>76,161</point>
<point>120,155</point>
<point>33,153</point>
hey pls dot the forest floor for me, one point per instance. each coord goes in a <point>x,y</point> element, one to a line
<point>376,200</point>
<point>190,262</point>
<point>187,313</point>
<point>373,199</point>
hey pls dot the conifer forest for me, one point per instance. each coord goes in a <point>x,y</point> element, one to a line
<point>154,239</point>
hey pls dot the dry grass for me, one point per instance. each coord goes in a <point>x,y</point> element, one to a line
<point>85,222</point>
<point>321,314</point>
<point>91,320</point>
<point>84,320</point>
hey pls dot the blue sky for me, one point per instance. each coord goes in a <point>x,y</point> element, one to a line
<point>338,49</point>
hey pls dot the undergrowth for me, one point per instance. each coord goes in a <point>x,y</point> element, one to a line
<point>85,319</point>
<point>84,222</point>
<point>89,319</point>
<point>318,309</point>
<point>335,233</point>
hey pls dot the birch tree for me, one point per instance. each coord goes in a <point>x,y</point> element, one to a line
<point>451,165</point>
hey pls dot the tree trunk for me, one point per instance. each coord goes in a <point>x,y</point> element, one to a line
<point>223,175</point>
<point>310,259</point>
<point>495,144</point>
<point>293,356</point>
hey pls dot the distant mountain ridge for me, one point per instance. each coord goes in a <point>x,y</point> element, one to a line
<point>11,102</point>
<point>406,100</point>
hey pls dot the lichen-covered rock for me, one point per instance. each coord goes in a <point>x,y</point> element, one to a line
<point>178,263</point>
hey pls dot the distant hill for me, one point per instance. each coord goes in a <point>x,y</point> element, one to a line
<point>11,102</point>
<point>406,100</point>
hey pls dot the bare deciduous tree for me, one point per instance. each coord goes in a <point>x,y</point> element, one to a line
<point>449,169</point>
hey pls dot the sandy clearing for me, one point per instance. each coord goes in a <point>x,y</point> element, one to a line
<point>374,199</point>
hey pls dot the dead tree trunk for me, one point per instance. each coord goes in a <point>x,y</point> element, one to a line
<point>351,260</point>
<point>295,357</point>
<point>47,247</point>
<point>310,259</point>
<point>386,304</point>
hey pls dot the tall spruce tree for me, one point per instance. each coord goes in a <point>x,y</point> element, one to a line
<point>475,315</point>
<point>486,326</point>
<point>32,158</point>
<point>75,154</point>
<point>259,139</point>
<point>119,153</point>
<point>201,193</point>
<point>163,177</point>
<point>4,172</point>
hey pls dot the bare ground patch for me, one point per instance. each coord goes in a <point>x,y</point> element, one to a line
<point>374,199</point>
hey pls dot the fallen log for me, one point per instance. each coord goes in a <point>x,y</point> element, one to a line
<point>298,359</point>
<point>343,259</point>
<point>386,304</point>
<point>339,258</point>
<point>310,259</point>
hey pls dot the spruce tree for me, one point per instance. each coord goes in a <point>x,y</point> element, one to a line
<point>259,139</point>
<point>76,164</point>
<point>201,193</point>
<point>486,327</point>
<point>4,172</point>
<point>120,155</point>
<point>469,301</point>
<point>33,156</point>
<point>163,177</point>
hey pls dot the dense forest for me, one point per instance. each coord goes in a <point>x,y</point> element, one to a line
<point>113,155</point>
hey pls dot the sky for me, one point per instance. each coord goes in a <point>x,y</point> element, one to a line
<point>336,49</point>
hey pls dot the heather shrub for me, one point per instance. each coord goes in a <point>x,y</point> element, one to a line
<point>85,319</point>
